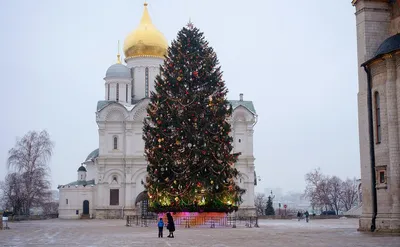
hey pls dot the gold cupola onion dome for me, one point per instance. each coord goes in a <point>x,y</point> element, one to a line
<point>146,40</point>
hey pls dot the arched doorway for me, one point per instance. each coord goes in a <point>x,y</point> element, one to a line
<point>85,207</point>
<point>142,203</point>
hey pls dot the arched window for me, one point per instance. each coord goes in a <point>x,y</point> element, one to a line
<point>126,93</point>
<point>115,139</point>
<point>378,118</point>
<point>108,92</point>
<point>117,91</point>
<point>146,85</point>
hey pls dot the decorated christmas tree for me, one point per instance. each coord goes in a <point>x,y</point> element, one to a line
<point>186,134</point>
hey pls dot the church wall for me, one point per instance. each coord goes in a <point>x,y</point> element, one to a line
<point>395,19</point>
<point>154,71</point>
<point>137,141</point>
<point>75,197</point>
<point>372,21</point>
<point>140,64</point>
<point>386,82</point>
<point>139,83</point>
<point>242,128</point>
<point>91,171</point>
<point>246,167</point>
<point>81,175</point>
<point>113,91</point>
<point>240,138</point>
<point>395,26</point>
<point>122,82</point>
<point>114,130</point>
<point>128,189</point>
<point>379,77</point>
<point>111,171</point>
<point>122,92</point>
<point>137,178</point>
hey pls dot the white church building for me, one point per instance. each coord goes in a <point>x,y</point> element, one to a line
<point>110,181</point>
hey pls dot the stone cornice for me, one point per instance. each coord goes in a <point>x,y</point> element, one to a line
<point>354,2</point>
<point>110,80</point>
<point>121,158</point>
<point>88,187</point>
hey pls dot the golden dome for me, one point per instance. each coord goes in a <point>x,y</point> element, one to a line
<point>146,40</point>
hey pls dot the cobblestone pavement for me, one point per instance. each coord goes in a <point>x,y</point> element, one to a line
<point>271,233</point>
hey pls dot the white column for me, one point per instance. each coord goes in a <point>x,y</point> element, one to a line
<point>105,91</point>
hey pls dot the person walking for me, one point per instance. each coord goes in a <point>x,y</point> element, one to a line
<point>298,215</point>
<point>307,215</point>
<point>5,219</point>
<point>171,225</point>
<point>160,228</point>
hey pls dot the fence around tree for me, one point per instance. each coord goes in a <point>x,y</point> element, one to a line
<point>193,221</point>
<point>12,218</point>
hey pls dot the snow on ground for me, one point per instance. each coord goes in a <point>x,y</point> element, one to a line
<point>272,233</point>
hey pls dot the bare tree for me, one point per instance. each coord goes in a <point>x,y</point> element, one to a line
<point>349,194</point>
<point>330,193</point>
<point>28,184</point>
<point>317,189</point>
<point>12,191</point>
<point>31,153</point>
<point>50,207</point>
<point>335,193</point>
<point>260,202</point>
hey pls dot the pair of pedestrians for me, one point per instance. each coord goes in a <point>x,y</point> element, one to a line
<point>300,215</point>
<point>170,226</point>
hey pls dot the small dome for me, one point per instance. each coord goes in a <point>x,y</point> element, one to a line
<point>391,44</point>
<point>82,169</point>
<point>118,70</point>
<point>94,154</point>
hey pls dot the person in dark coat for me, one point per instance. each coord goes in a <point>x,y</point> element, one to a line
<point>307,215</point>
<point>171,225</point>
<point>5,219</point>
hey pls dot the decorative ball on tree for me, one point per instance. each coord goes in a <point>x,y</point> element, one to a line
<point>187,136</point>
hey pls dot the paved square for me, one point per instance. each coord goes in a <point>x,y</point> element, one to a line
<point>317,233</point>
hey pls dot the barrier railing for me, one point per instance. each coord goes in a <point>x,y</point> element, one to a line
<point>194,221</point>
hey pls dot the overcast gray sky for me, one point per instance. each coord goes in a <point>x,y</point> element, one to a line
<point>296,60</point>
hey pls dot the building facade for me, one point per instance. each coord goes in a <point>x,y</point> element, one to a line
<point>378,49</point>
<point>110,180</point>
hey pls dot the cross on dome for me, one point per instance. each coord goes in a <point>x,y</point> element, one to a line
<point>118,55</point>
